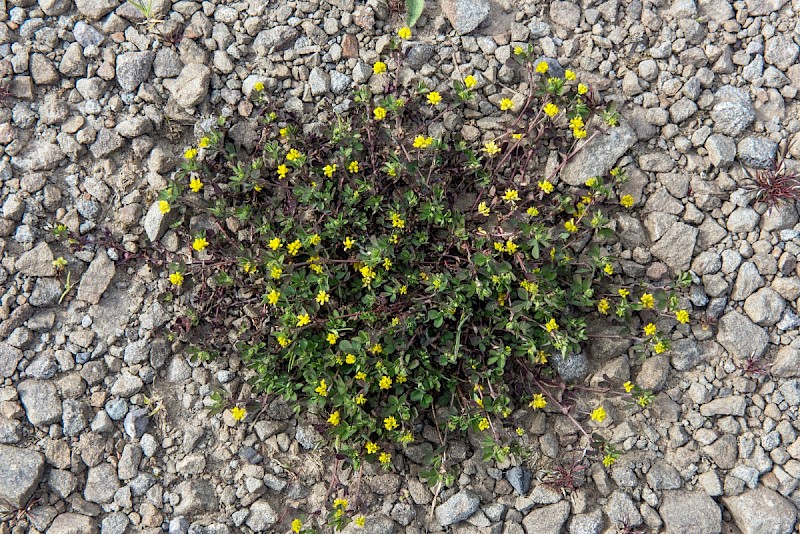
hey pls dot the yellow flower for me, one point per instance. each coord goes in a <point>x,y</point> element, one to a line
<point>190,154</point>
<point>282,170</point>
<point>682,316</point>
<point>660,347</point>
<point>371,447</point>
<point>609,269</point>
<point>385,382</point>
<point>360,521</point>
<point>608,460</point>
<point>582,89</point>
<point>511,195</point>
<point>623,292</point>
<point>491,148</point>
<point>649,329</point>
<point>294,247</point>
<point>377,348</point>
<point>506,104</point>
<point>163,206</point>
<point>576,123</point>
<point>329,170</point>
<point>380,113</point>
<point>297,525</point>
<point>483,424</point>
<point>570,226</point>
<point>385,458</point>
<point>273,297</point>
<point>387,263</point>
<point>550,109</point>
<point>397,220</point>
<point>204,142</point>
<point>275,243</point>
<point>303,320</point>
<point>546,186</point>
<point>579,133</point>
<point>598,414</point>
<point>434,98</point>
<point>323,297</point>
<point>283,341</point>
<point>195,184</point>
<point>333,337</point>
<point>176,278</point>
<point>350,359</point>
<point>538,402</point>
<point>275,273</point>
<point>520,431</point>
<point>404,32</point>
<point>542,67</point>
<point>238,413</point>
<point>626,201</point>
<point>628,386</point>
<point>322,389</point>
<point>284,132</point>
<point>353,167</point>
<point>360,399</point>
<point>199,244</point>
<point>647,300</point>
<point>421,141</point>
<point>532,211</point>
<point>293,155</point>
<point>551,325</point>
<point>470,82</point>
<point>403,290</point>
<point>379,67</point>
<point>390,423</point>
<point>258,86</point>
<point>511,247</point>
<point>315,239</point>
<point>499,246</point>
<point>483,209</point>
<point>334,420</point>
<point>348,243</point>
<point>361,375</point>
<point>569,75</point>
<point>603,306</point>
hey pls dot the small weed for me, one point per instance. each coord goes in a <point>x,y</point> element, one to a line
<point>776,184</point>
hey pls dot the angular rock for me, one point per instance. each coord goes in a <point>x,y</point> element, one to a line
<point>547,519</point>
<point>86,35</point>
<point>106,143</point>
<point>457,508</point>
<point>599,155</point>
<point>95,9</point>
<point>676,246</point>
<point>37,262</point>
<point>748,279</point>
<point>690,511</point>
<point>133,68</point>
<point>20,471</point>
<point>465,15</point>
<point>41,401</point>
<point>96,278</point>
<point>762,511</point>
<point>757,152</point>
<point>46,292</point>
<point>781,51</point>
<point>520,478</point>
<point>743,219</point>
<point>261,517</point>
<point>732,117</point>
<point>764,307</point>
<point>274,39</point>
<point>197,496</point>
<point>733,405</point>
<point>42,70</point>
<point>101,484</point>
<point>71,523</point>
<point>9,358</point>
<point>721,150</point>
<point>38,155</point>
<point>787,363</point>
<point>191,87</point>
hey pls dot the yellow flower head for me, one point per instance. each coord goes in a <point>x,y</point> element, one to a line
<point>483,209</point>
<point>385,458</point>
<point>195,184</point>
<point>360,399</point>
<point>176,278</point>
<point>380,113</point>
<point>238,413</point>
<point>434,98</point>
<point>538,402</point>
<point>404,32</point>
<point>273,297</point>
<point>294,155</point>
<point>532,211</point>
<point>609,460</point>
<point>550,109</point>
<point>334,420</point>
<point>598,414</point>
<point>353,167</point>
<point>190,154</point>
<point>491,148</point>
<point>379,67</point>
<point>542,67</point>
<point>628,386</point>
<point>551,325</point>
<point>275,243</point>
<point>570,226</point>
<point>421,141</point>
<point>603,306</point>
<point>511,195</point>
<point>582,89</point>
<point>608,269</point>
<point>348,243</point>
<point>390,423</point>
<point>294,247</point>
<point>371,447</point>
<point>275,273</point>
<point>315,239</point>
<point>470,82</point>
<point>297,525</point>
<point>329,170</point>
<point>303,320</point>
<point>403,290</point>
<point>579,133</point>
<point>649,329</point>
<point>199,244</point>
<point>282,170</point>
<point>483,424</point>
<point>660,347</point>
<point>647,300</point>
<point>623,292</point>
<point>682,316</point>
<point>322,388</point>
<point>360,521</point>
<point>163,206</point>
<point>506,104</point>
<point>204,142</point>
<point>385,382</point>
<point>258,86</point>
<point>546,186</point>
<point>569,75</point>
<point>323,297</point>
<point>361,375</point>
<point>626,201</point>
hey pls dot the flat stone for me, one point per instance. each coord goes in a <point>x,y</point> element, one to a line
<point>762,511</point>
<point>106,143</point>
<point>96,278</point>
<point>261,517</point>
<point>457,508</point>
<point>38,155</point>
<point>71,523</point>
<point>133,68</point>
<point>599,155</point>
<point>721,150</point>
<point>9,358</point>
<point>676,246</point>
<point>191,86</point>
<point>787,363</point>
<point>101,484</point>
<point>732,117</point>
<point>36,262</point>
<point>197,496</point>
<point>757,152</point>
<point>743,219</point>
<point>465,15</point>
<point>733,405</point>
<point>20,470</point>
<point>748,280</point>
<point>690,511</point>
<point>95,9</point>
<point>764,307</point>
<point>547,519</point>
<point>41,401</point>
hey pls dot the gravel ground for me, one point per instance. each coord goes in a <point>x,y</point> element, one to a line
<point>96,107</point>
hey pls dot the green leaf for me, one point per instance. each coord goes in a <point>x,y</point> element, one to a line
<point>413,11</point>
